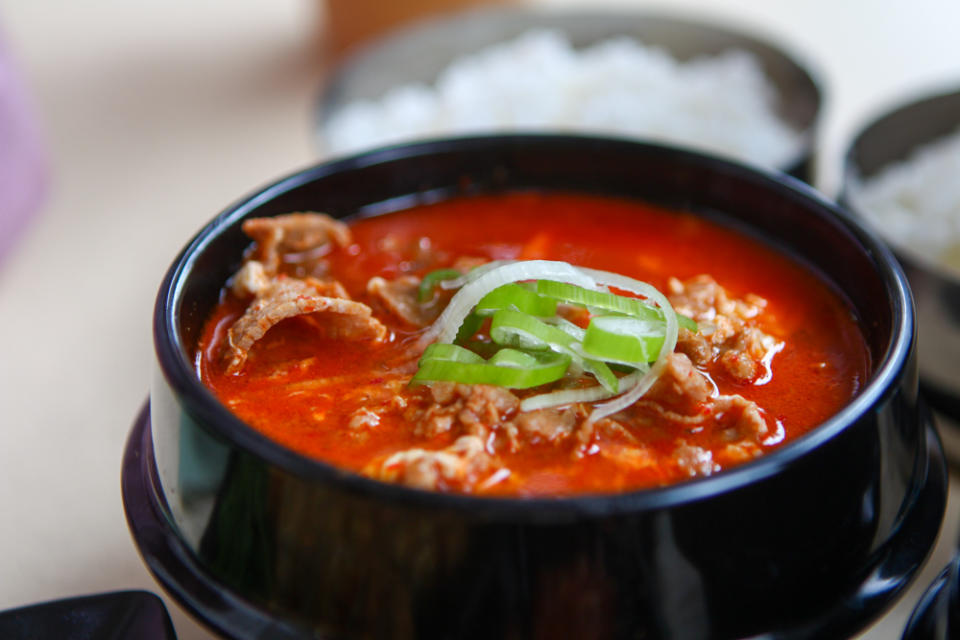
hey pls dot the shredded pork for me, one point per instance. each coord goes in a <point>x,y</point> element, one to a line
<point>399,297</point>
<point>474,409</point>
<point>483,421</point>
<point>284,298</point>
<point>296,241</point>
<point>726,333</point>
<point>461,465</point>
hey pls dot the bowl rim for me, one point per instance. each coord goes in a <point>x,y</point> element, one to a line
<point>201,404</point>
<point>852,173</point>
<point>329,99</point>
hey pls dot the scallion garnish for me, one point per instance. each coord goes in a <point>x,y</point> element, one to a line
<point>537,346</point>
<point>515,296</point>
<point>506,368</point>
<point>431,280</point>
<point>623,339</point>
<point>519,330</point>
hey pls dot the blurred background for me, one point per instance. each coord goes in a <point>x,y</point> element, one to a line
<point>125,126</point>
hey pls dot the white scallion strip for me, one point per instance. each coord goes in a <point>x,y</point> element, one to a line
<point>564,396</point>
<point>567,327</point>
<point>669,341</point>
<point>571,396</point>
<point>444,329</point>
<point>473,274</point>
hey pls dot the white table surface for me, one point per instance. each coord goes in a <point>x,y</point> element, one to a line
<point>158,115</point>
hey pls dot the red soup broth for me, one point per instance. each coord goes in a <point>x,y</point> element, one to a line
<point>823,363</point>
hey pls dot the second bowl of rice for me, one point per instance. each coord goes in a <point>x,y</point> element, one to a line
<point>630,75</point>
<point>900,176</point>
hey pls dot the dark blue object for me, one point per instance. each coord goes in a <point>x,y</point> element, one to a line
<point>937,614</point>
<point>120,615</point>
<point>815,539</point>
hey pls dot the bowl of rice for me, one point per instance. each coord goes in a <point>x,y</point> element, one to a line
<point>518,69</point>
<point>900,176</point>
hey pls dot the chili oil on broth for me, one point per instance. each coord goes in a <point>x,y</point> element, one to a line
<point>301,389</point>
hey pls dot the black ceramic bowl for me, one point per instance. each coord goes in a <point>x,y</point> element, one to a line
<point>815,539</point>
<point>937,614</point>
<point>398,58</point>
<point>888,139</point>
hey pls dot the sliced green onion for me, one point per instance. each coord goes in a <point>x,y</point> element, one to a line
<point>574,331</point>
<point>431,280</point>
<point>516,296</point>
<point>513,358</point>
<point>597,299</point>
<point>445,328</point>
<point>470,325</point>
<point>507,368</point>
<point>623,339</point>
<point>646,381</point>
<point>571,396</point>
<point>607,301</point>
<point>450,353</point>
<point>514,329</point>
<point>638,331</point>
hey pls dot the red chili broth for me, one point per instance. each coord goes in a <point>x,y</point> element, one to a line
<point>823,365</point>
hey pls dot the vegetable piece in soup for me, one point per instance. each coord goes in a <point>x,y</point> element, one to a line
<point>528,344</point>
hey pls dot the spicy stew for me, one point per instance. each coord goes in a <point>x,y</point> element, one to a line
<point>317,338</point>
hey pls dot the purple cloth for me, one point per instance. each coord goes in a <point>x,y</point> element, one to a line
<point>22,160</point>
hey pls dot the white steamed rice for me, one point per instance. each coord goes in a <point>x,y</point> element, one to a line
<point>722,104</point>
<point>915,204</point>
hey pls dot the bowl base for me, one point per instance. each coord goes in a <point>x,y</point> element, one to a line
<point>181,574</point>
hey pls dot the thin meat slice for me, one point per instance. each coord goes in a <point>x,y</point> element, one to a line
<point>289,297</point>
<point>727,333</point>
<point>693,460</point>
<point>400,297</point>
<point>684,395</point>
<point>294,238</point>
<point>250,280</point>
<point>547,425</point>
<point>702,298</point>
<point>461,465</point>
<point>472,408</point>
<point>743,417</point>
<point>680,387</point>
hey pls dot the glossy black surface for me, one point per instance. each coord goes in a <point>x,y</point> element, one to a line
<point>232,616</point>
<point>781,545</point>
<point>119,615</point>
<point>937,614</point>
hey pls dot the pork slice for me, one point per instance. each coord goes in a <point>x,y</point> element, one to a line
<point>629,456</point>
<point>249,281</point>
<point>743,417</point>
<point>695,346</point>
<point>695,461</point>
<point>400,297</point>
<point>744,356</point>
<point>473,408</point>
<point>490,404</point>
<point>727,333</point>
<point>294,236</point>
<point>680,387</point>
<point>461,465</point>
<point>702,297</point>
<point>550,425</point>
<point>289,297</point>
<point>684,395</point>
